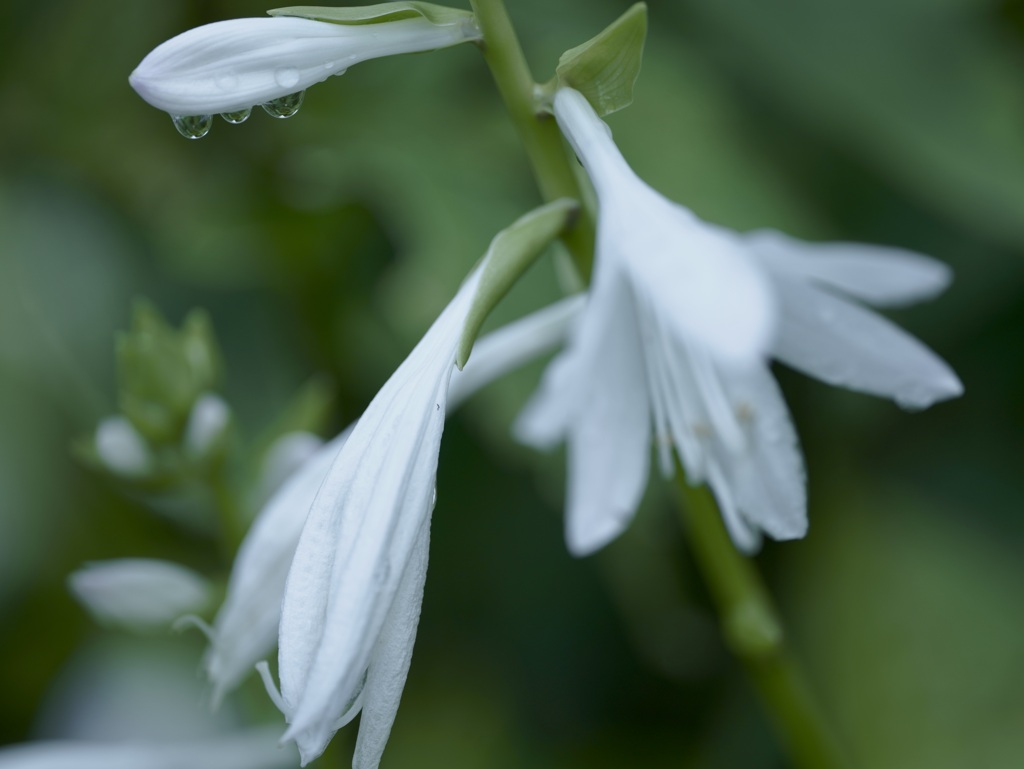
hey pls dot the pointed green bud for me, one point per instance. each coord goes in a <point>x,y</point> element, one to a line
<point>511,252</point>
<point>605,67</point>
<point>378,14</point>
<point>162,372</point>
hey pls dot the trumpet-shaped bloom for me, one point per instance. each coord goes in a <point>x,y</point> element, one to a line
<point>230,66</point>
<point>345,501</point>
<point>681,318</point>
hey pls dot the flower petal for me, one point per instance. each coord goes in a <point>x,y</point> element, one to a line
<point>878,275</point>
<point>848,346</point>
<point>245,629</point>
<point>360,534</point>
<point>514,345</point>
<point>769,481</point>
<point>609,441</point>
<point>392,657</point>
<point>697,275</point>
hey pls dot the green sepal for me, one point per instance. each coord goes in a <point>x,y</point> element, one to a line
<point>511,252</point>
<point>377,14</point>
<point>162,371</point>
<point>605,68</point>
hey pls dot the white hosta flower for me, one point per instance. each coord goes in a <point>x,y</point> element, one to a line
<point>122,448</point>
<point>246,627</point>
<point>139,593</point>
<point>676,332</point>
<point>229,66</point>
<point>252,749</point>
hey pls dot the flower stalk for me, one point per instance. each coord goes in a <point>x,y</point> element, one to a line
<point>753,631</point>
<point>539,133</point>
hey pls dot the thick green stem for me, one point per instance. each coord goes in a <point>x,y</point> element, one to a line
<point>539,133</point>
<point>753,631</point>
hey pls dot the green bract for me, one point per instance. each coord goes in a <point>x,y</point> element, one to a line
<point>163,371</point>
<point>605,67</point>
<point>377,14</point>
<point>511,252</point>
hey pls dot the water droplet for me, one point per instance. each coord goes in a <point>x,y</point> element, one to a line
<point>226,81</point>
<point>239,116</point>
<point>287,77</point>
<point>193,126</point>
<point>286,106</point>
<point>914,399</point>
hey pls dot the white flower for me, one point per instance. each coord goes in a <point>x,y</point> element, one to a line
<point>229,66</point>
<point>252,749</point>
<point>677,330</point>
<point>246,627</point>
<point>139,593</point>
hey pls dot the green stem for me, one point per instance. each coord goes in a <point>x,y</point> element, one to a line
<point>539,133</point>
<point>753,631</point>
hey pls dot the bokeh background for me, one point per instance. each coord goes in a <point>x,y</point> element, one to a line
<point>322,246</point>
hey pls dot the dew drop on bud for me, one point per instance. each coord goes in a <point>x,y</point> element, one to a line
<point>287,77</point>
<point>238,116</point>
<point>286,106</point>
<point>193,126</point>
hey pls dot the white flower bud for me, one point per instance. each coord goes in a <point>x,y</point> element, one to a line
<point>234,65</point>
<point>207,422</point>
<point>139,593</point>
<point>121,448</point>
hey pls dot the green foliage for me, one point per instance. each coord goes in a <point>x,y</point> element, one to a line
<point>162,371</point>
<point>605,68</point>
<point>511,252</point>
<point>377,14</point>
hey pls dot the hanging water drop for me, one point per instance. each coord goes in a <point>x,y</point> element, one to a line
<point>239,116</point>
<point>285,106</point>
<point>193,126</point>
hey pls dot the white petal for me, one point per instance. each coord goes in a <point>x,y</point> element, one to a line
<point>252,749</point>
<point>139,593</point>
<point>879,275</point>
<point>742,532</point>
<point>609,441</point>
<point>698,276</point>
<point>769,481</point>
<point>245,629</point>
<point>392,657</point>
<point>360,535</point>
<point>846,345</point>
<point>511,346</point>
<point>231,65</point>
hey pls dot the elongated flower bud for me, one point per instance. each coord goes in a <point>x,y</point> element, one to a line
<point>230,66</point>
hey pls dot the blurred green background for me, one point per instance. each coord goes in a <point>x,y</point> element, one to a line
<point>324,245</point>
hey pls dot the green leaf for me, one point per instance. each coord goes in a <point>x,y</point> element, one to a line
<point>377,14</point>
<point>605,68</point>
<point>511,252</point>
